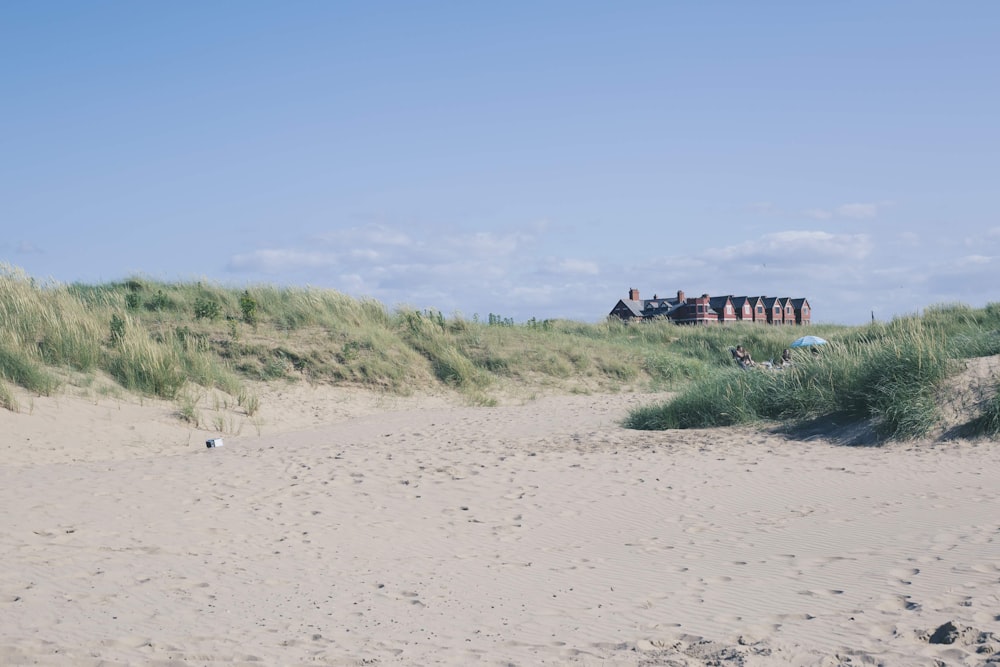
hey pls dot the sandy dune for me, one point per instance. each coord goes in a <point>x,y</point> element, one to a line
<point>358,530</point>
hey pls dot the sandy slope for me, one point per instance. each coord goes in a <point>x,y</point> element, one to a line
<point>359,530</point>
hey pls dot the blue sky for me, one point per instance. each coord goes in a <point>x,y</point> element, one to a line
<point>523,159</point>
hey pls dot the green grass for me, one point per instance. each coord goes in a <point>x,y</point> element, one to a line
<point>7,399</point>
<point>157,338</point>
<point>887,373</point>
<point>987,423</point>
<point>20,368</point>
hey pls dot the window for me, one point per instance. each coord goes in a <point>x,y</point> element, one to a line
<point>760,310</point>
<point>729,309</point>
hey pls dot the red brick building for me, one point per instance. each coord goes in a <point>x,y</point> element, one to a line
<point>705,309</point>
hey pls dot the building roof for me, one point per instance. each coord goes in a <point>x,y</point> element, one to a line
<point>677,310</point>
<point>719,302</point>
<point>633,306</point>
<point>657,307</point>
<point>769,301</point>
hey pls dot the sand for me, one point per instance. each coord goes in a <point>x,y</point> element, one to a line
<point>343,528</point>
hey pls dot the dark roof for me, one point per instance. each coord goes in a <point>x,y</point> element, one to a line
<point>718,302</point>
<point>650,307</point>
<point>631,305</point>
<point>658,307</point>
<point>683,311</point>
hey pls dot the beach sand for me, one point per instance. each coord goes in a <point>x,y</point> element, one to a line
<point>342,528</point>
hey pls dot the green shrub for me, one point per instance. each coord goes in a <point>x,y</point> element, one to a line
<point>159,302</point>
<point>206,309</point>
<point>117,329</point>
<point>248,306</point>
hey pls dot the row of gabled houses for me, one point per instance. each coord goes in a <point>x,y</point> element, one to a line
<point>707,309</point>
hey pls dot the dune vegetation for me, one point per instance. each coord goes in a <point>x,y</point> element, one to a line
<point>159,339</point>
<point>895,377</point>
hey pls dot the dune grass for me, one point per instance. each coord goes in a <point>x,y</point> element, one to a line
<point>7,399</point>
<point>887,373</point>
<point>169,339</point>
<point>154,338</point>
<point>987,423</point>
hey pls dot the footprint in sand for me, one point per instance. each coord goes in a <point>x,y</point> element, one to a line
<point>822,593</point>
<point>902,576</point>
<point>413,598</point>
<point>896,603</point>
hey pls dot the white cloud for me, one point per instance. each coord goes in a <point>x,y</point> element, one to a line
<point>818,213</point>
<point>796,247</point>
<point>973,260</point>
<point>576,266</point>
<point>370,234</point>
<point>515,272</point>
<point>536,294</point>
<point>451,270</point>
<point>979,240</point>
<point>27,248</point>
<point>280,259</point>
<point>858,211</point>
<point>486,244</point>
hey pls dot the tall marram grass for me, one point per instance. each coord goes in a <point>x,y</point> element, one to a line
<point>988,421</point>
<point>155,338</point>
<point>886,373</point>
<point>143,364</point>
<point>7,399</point>
<point>45,327</point>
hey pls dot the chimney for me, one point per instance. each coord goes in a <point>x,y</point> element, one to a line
<point>633,294</point>
<point>680,296</point>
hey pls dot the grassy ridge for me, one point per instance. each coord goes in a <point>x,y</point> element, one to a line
<point>891,374</point>
<point>172,339</point>
<point>155,338</point>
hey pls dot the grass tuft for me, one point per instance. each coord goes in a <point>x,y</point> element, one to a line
<point>7,399</point>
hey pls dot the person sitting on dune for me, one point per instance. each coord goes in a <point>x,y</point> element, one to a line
<point>742,357</point>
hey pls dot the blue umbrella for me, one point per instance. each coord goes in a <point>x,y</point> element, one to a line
<point>807,341</point>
